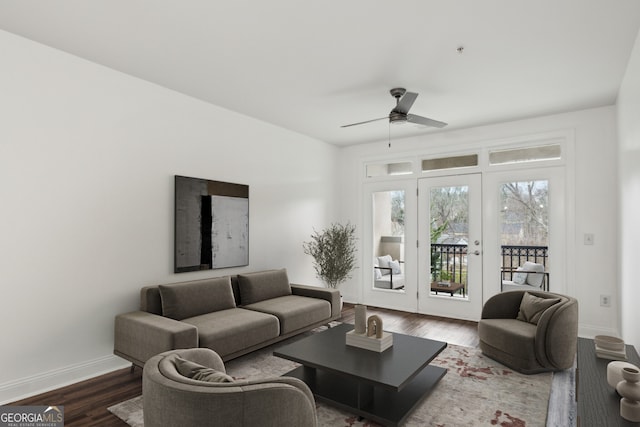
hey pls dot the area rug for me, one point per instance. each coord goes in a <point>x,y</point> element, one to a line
<point>476,391</point>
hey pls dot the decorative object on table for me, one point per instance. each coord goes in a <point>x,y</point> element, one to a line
<point>361,319</point>
<point>211,224</point>
<point>608,347</point>
<point>333,251</point>
<point>614,371</point>
<point>374,326</point>
<point>629,389</point>
<point>373,338</point>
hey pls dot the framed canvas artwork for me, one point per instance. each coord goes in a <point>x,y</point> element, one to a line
<point>211,224</point>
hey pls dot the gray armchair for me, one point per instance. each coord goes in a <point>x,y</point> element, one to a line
<point>170,399</point>
<point>546,342</point>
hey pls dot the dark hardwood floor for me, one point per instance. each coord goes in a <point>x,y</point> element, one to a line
<point>85,403</point>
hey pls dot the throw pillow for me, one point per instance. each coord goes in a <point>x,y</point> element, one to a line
<point>383,262</point>
<point>199,372</point>
<point>395,267</point>
<point>255,287</point>
<point>534,279</point>
<point>532,307</point>
<point>378,273</point>
<point>519,278</point>
<point>189,299</point>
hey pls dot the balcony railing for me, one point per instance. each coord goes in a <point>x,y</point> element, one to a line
<point>451,259</point>
<point>515,256</point>
<point>449,262</point>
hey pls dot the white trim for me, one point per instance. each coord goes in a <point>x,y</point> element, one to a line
<point>36,384</point>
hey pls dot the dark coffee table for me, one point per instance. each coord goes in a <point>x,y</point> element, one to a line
<point>383,387</point>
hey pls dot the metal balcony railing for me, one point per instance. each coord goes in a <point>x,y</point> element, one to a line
<point>449,261</point>
<point>515,256</point>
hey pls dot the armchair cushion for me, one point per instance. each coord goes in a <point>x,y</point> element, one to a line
<point>395,267</point>
<point>256,287</point>
<point>519,278</point>
<point>532,307</point>
<point>199,372</point>
<point>383,263</point>
<point>183,300</point>
<point>534,279</point>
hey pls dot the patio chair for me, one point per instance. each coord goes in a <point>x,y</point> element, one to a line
<point>529,277</point>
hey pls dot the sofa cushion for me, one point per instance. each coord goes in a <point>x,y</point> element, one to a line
<point>199,372</point>
<point>255,287</point>
<point>532,307</point>
<point>294,312</point>
<point>189,299</point>
<point>235,329</point>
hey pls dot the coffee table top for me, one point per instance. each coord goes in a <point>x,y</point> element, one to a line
<point>393,368</point>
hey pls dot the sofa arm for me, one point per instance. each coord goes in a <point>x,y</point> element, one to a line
<point>331,295</point>
<point>140,335</point>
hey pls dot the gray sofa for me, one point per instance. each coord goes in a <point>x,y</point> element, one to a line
<point>171,399</point>
<point>231,315</point>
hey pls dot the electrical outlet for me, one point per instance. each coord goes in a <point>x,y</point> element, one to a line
<point>605,300</point>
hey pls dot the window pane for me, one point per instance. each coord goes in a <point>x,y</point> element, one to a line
<point>449,224</point>
<point>524,225</point>
<point>450,162</point>
<point>530,154</point>
<point>388,240</point>
<point>386,169</point>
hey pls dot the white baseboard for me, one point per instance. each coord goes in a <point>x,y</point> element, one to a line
<point>590,331</point>
<point>40,383</point>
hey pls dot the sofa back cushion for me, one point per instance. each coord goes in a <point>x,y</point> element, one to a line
<point>189,299</point>
<point>255,287</point>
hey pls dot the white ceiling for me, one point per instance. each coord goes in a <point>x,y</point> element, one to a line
<point>312,66</point>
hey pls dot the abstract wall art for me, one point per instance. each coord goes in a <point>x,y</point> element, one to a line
<point>211,224</point>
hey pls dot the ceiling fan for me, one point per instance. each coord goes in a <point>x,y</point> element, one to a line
<point>400,114</point>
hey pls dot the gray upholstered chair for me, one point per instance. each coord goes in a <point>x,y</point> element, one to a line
<point>524,334</point>
<point>171,399</point>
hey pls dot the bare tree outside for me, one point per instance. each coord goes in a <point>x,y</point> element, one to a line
<point>525,213</point>
<point>450,210</point>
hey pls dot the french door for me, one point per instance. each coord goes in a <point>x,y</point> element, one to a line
<point>447,241</point>
<point>450,247</point>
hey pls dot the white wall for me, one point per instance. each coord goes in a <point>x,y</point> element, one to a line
<point>629,137</point>
<point>591,270</point>
<point>87,159</point>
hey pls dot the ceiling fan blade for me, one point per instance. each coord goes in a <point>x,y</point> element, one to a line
<point>368,121</point>
<point>412,118</point>
<point>405,103</point>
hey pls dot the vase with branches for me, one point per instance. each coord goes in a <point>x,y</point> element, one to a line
<point>334,253</point>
